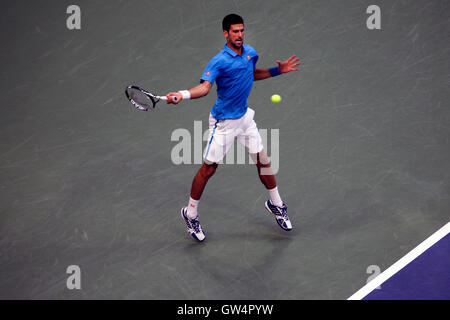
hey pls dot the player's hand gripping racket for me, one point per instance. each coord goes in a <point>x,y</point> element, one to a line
<point>142,99</point>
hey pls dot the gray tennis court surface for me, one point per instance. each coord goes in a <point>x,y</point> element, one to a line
<point>87,180</point>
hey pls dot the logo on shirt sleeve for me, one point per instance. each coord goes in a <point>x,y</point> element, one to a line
<point>248,57</point>
<point>207,73</point>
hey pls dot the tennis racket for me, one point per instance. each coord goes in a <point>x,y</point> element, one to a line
<point>142,99</point>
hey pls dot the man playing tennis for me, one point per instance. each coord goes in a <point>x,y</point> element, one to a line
<point>234,70</point>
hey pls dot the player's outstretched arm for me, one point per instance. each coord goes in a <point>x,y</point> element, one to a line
<point>283,67</point>
<point>194,93</point>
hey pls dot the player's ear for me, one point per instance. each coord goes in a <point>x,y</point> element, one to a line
<point>225,33</point>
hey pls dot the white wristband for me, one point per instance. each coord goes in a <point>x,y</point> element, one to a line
<point>185,94</point>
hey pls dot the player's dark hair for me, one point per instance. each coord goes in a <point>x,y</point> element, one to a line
<point>231,19</point>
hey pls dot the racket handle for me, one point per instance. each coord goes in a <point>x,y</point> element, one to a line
<point>165,98</point>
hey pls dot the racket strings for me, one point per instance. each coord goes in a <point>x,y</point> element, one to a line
<point>140,99</point>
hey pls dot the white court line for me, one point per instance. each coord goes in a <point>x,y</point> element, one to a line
<point>400,264</point>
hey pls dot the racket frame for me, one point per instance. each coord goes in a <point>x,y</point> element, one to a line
<point>153,98</point>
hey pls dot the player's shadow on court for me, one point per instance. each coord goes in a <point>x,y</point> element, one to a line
<point>244,265</point>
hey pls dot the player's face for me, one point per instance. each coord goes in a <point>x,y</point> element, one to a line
<point>235,36</point>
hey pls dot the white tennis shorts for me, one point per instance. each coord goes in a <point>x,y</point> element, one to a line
<point>223,132</point>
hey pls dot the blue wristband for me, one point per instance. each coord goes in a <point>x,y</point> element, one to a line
<point>274,71</point>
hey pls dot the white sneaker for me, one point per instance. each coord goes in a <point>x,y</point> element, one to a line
<point>280,215</point>
<point>193,226</point>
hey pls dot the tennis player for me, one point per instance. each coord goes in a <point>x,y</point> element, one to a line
<point>234,70</point>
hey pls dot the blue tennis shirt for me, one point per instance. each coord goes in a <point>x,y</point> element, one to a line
<point>233,74</point>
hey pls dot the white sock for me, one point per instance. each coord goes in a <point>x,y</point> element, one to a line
<point>192,208</point>
<point>275,197</point>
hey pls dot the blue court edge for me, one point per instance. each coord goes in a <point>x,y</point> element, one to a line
<point>425,278</point>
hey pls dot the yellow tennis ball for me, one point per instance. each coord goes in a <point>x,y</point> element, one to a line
<point>276,98</point>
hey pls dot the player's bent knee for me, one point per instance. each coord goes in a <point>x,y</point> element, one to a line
<point>263,165</point>
<point>262,161</point>
<point>209,169</point>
